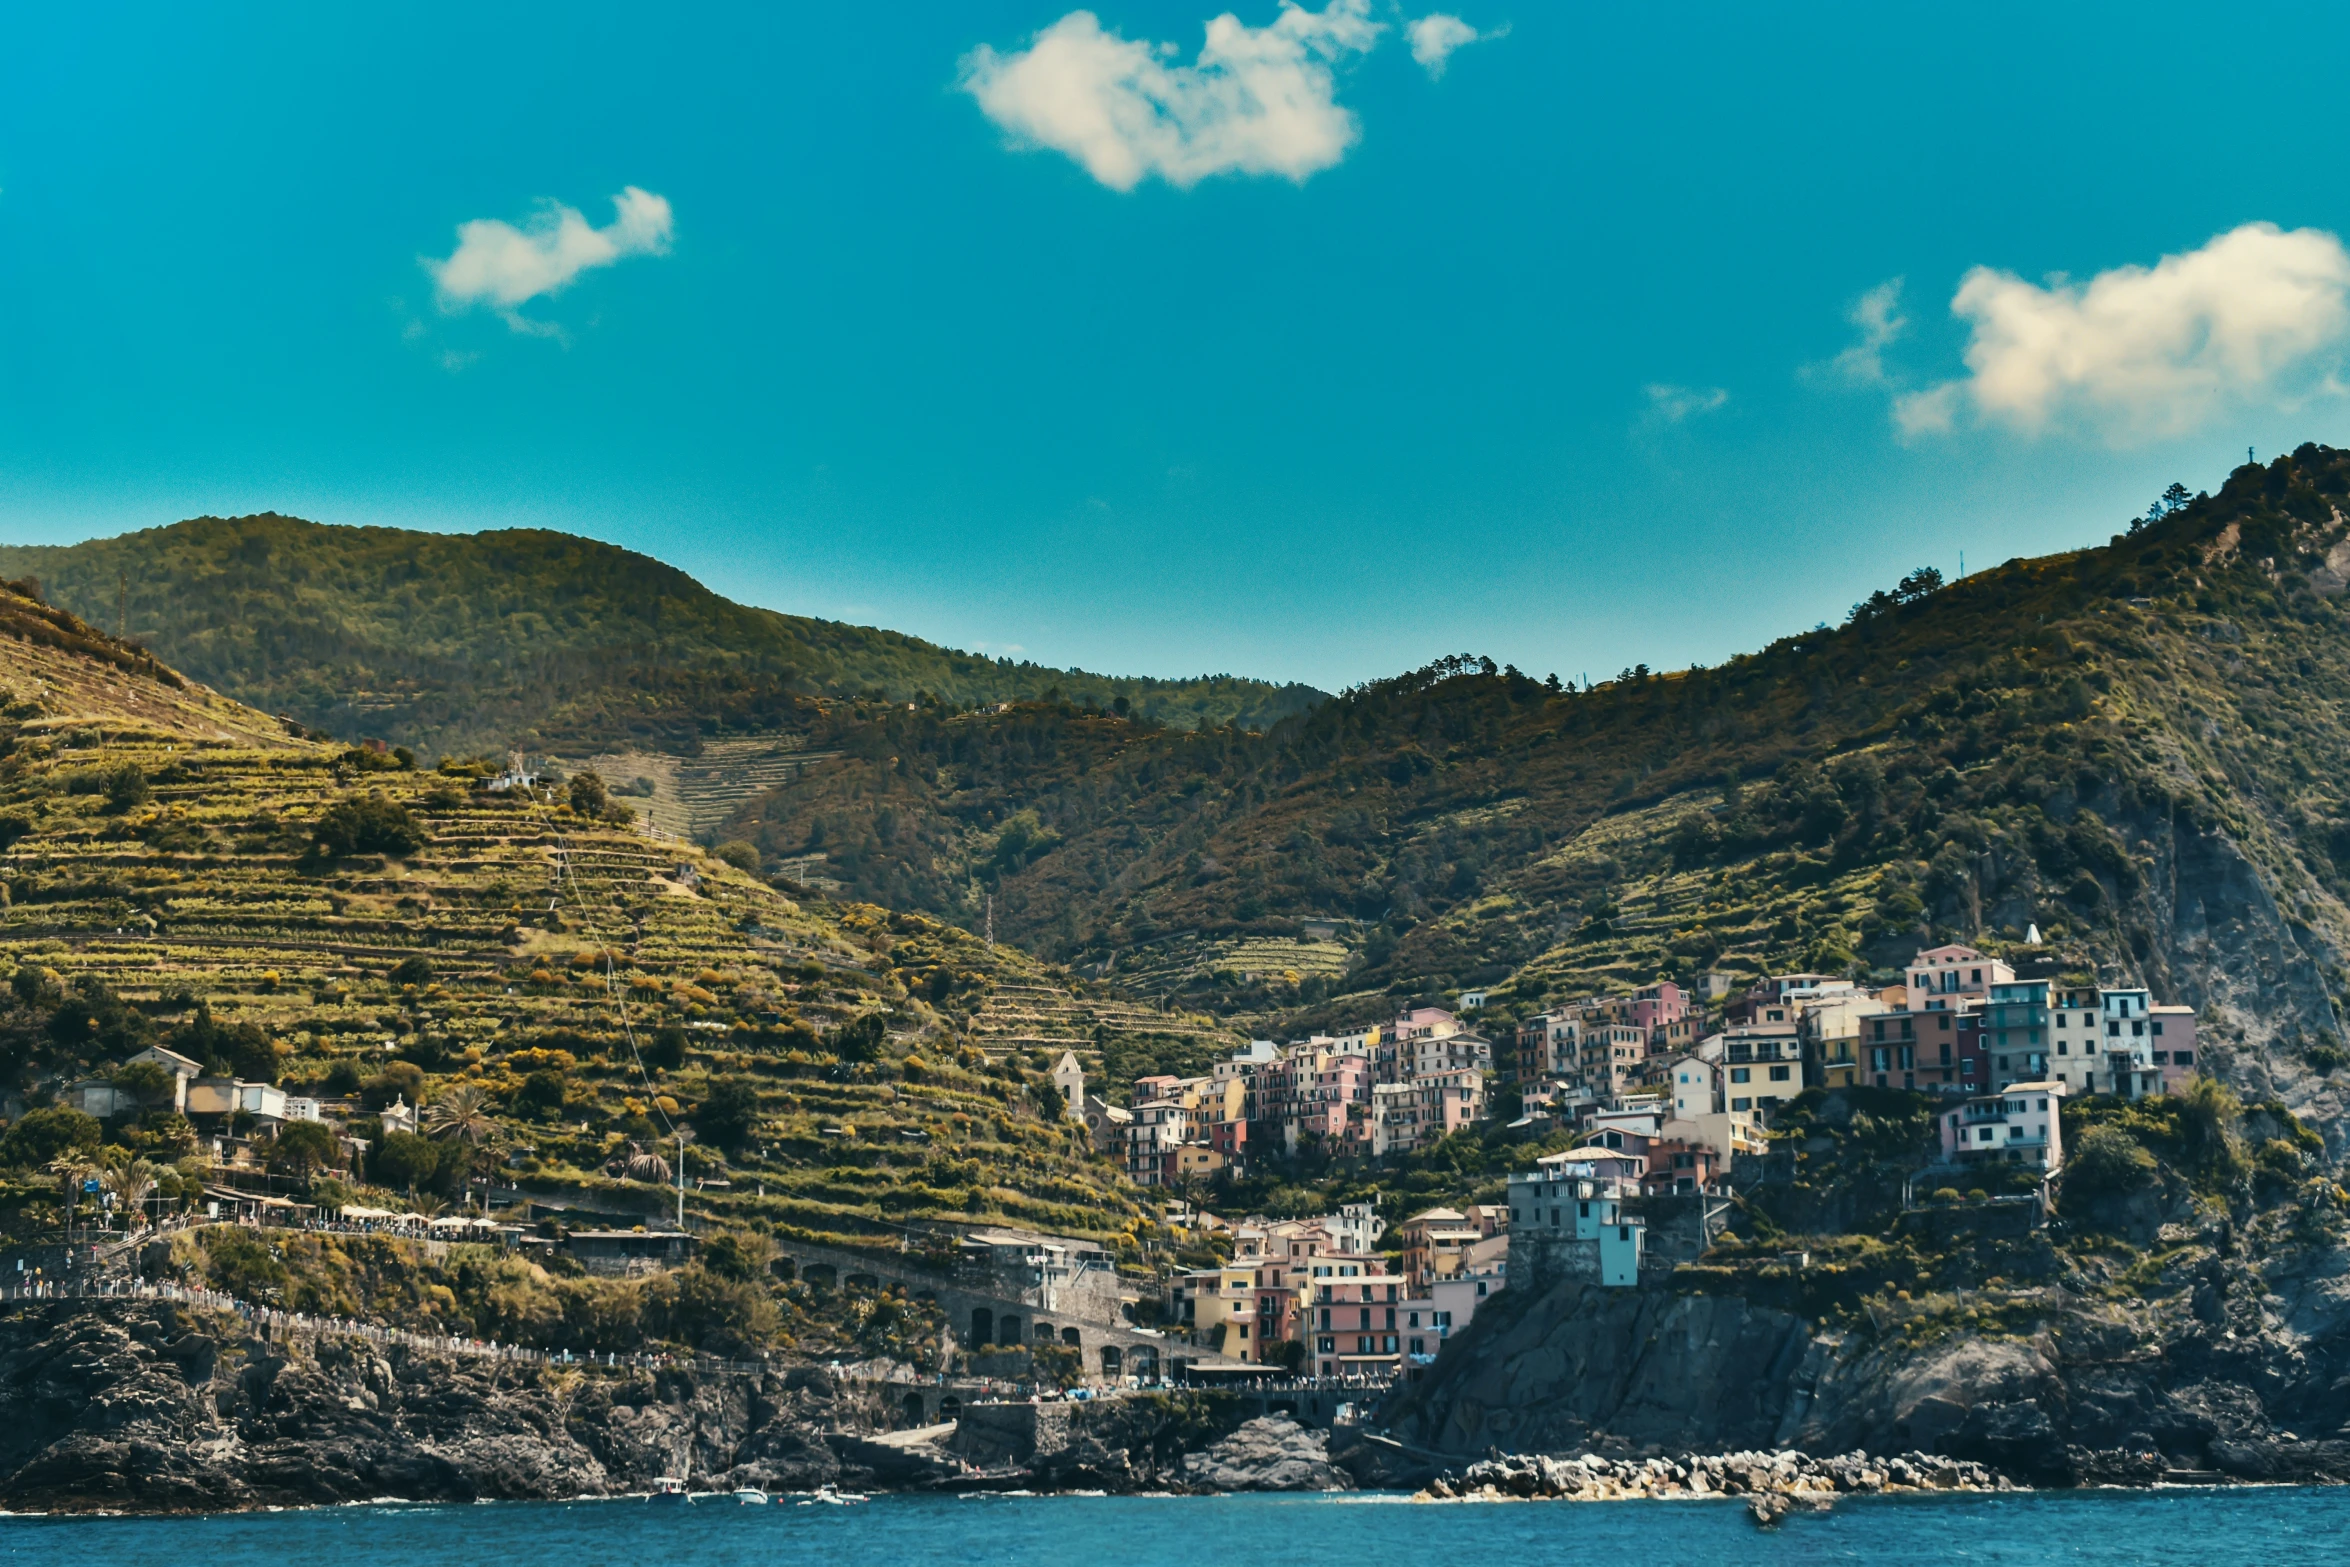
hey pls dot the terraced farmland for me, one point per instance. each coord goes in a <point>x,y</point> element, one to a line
<point>696,796</point>
<point>182,850</point>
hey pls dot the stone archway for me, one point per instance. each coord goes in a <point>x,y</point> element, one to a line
<point>911,1411</point>
<point>982,1327</point>
<point>1072,1338</point>
<point>1007,1331</point>
<point>1044,1333</point>
<point>1113,1361</point>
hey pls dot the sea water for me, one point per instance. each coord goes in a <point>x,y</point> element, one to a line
<point>2244,1527</point>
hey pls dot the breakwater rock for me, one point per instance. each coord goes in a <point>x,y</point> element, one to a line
<point>1798,1477</point>
<point>1147,1442</point>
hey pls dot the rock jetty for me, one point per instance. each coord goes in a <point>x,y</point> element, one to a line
<point>1774,1483</point>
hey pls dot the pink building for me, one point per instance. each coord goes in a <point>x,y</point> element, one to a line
<point>1656,1006</point>
<point>1940,978</point>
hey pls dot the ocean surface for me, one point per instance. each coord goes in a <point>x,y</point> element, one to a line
<point>2215,1528</point>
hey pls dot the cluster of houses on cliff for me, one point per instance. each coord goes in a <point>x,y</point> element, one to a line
<point>1660,1075</point>
<point>1322,1296</point>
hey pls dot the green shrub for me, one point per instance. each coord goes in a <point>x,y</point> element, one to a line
<point>2105,1160</point>
<point>369,824</point>
<point>42,1135</point>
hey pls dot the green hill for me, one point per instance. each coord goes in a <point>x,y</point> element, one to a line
<point>463,642</point>
<point>178,869</point>
<point>2139,748</point>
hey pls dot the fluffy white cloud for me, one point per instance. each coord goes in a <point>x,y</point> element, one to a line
<point>1672,404</point>
<point>505,267</point>
<point>1435,36</point>
<point>1259,100</point>
<point>2256,315</point>
<point>1878,315</point>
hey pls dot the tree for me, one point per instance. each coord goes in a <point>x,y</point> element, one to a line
<point>2105,1161</point>
<point>131,1185</point>
<point>399,1080</point>
<point>31,982</point>
<point>415,971</point>
<point>740,855</point>
<point>303,1148</point>
<point>73,1169</point>
<point>588,796</point>
<point>369,824</point>
<point>665,1050</point>
<point>124,786</point>
<point>541,1092</point>
<point>148,1082</point>
<point>42,1136</point>
<point>461,1114</point>
<point>2208,1113</point>
<point>859,1039</point>
<point>729,1114</point>
<point>418,1163</point>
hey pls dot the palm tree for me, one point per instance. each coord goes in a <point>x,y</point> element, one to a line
<point>132,1184</point>
<point>645,1165</point>
<point>71,1169</point>
<point>461,1112</point>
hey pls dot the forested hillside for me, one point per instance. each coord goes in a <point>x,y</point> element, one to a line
<point>2138,748</point>
<point>460,642</point>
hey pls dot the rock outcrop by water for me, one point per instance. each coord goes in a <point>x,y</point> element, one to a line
<point>2096,1391</point>
<point>1788,1473</point>
<point>1271,1453</point>
<point>149,1406</point>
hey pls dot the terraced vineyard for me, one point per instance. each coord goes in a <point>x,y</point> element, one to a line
<point>696,796</point>
<point>849,1071</point>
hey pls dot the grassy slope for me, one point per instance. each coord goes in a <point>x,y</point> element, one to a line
<point>251,920</point>
<point>2136,747</point>
<point>466,641</point>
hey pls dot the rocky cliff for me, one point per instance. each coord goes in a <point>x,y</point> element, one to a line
<point>2230,1372</point>
<point>150,1406</point>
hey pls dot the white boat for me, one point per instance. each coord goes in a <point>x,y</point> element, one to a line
<point>751,1496</point>
<point>831,1496</point>
<point>669,1488</point>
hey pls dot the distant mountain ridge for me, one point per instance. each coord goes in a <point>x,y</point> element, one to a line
<point>526,636</point>
<point>2140,749</point>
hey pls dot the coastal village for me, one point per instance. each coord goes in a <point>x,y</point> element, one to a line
<point>1660,1093</point>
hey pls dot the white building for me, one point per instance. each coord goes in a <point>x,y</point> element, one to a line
<point>2022,1124</point>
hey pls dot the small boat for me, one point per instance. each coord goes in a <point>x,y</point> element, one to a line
<point>831,1496</point>
<point>669,1488</point>
<point>751,1496</point>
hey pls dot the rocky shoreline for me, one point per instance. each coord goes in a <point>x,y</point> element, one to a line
<point>144,1406</point>
<point>1774,1484</point>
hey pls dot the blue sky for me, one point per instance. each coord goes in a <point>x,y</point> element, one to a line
<point>990,324</point>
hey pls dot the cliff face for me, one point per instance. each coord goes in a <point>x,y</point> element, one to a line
<point>2086,1391</point>
<point>148,1406</point>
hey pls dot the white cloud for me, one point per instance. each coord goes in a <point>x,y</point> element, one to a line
<point>1435,36</point>
<point>1259,100</point>
<point>1672,404</point>
<point>505,267</point>
<point>2257,315</point>
<point>1878,315</point>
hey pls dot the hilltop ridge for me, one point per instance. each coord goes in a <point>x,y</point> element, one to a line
<point>2136,748</point>
<point>459,642</point>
